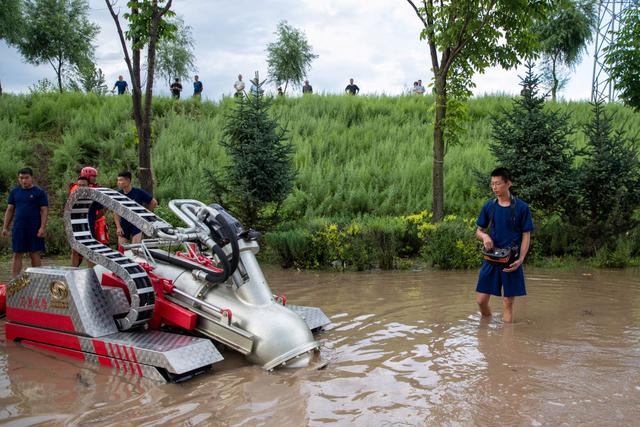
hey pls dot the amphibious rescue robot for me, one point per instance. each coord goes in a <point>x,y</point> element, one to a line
<point>152,311</point>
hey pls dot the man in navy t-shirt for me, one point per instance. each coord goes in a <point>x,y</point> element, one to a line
<point>126,231</point>
<point>352,89</point>
<point>122,86</point>
<point>28,208</point>
<point>510,223</point>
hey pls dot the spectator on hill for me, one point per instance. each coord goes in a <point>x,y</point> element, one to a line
<point>197,86</point>
<point>238,86</point>
<point>176,88</point>
<point>28,209</point>
<point>418,88</point>
<point>307,87</point>
<point>121,85</point>
<point>280,92</point>
<point>351,88</point>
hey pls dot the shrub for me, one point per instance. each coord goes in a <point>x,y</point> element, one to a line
<point>451,244</point>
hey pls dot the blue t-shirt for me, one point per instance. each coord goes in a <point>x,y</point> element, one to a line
<point>27,203</point>
<point>122,86</point>
<point>139,196</point>
<point>503,233</point>
<point>197,87</point>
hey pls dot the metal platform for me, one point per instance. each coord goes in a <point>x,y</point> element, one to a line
<point>313,316</point>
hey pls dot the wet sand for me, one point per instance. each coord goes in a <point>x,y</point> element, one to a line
<point>403,349</point>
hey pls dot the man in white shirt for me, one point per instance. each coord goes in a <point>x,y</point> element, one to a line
<point>239,86</point>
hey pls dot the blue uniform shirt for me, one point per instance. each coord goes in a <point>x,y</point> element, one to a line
<point>197,87</point>
<point>27,204</point>
<point>141,197</point>
<point>504,232</point>
<point>122,86</point>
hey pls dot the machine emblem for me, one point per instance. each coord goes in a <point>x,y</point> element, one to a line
<point>17,285</point>
<point>59,294</point>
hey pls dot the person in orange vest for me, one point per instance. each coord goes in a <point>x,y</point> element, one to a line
<point>88,177</point>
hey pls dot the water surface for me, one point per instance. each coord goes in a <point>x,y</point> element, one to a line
<point>404,349</point>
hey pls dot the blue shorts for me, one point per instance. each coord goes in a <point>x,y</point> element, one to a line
<point>129,230</point>
<point>26,240</point>
<point>492,280</point>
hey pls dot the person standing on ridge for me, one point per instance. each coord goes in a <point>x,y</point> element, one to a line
<point>307,88</point>
<point>121,85</point>
<point>197,87</point>
<point>176,88</point>
<point>351,88</point>
<point>238,86</point>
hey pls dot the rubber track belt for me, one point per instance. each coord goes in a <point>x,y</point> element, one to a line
<point>81,239</point>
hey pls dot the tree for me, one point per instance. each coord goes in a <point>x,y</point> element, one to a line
<point>564,35</point>
<point>623,57</point>
<point>289,57</point>
<point>608,182</point>
<point>147,26</point>
<point>88,78</point>
<point>533,142</point>
<point>175,55</point>
<point>470,35</point>
<point>262,171</point>
<point>10,19</point>
<point>57,32</point>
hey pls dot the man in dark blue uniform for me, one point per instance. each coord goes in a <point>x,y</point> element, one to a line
<point>126,231</point>
<point>510,224</point>
<point>121,85</point>
<point>28,208</point>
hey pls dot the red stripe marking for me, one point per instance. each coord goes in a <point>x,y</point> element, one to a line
<point>113,354</point>
<point>31,333</point>
<point>131,367</point>
<point>100,347</point>
<point>135,359</point>
<point>119,353</point>
<point>65,351</point>
<point>49,320</point>
<point>104,361</point>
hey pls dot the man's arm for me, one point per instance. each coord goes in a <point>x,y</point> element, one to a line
<point>116,220</point>
<point>524,249</point>
<point>487,241</point>
<point>44,216</point>
<point>8,217</point>
<point>152,205</point>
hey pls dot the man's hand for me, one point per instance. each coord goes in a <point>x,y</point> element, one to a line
<point>513,267</point>
<point>119,232</point>
<point>5,232</point>
<point>41,232</point>
<point>487,242</point>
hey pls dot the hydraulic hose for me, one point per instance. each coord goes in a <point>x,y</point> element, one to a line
<point>211,276</point>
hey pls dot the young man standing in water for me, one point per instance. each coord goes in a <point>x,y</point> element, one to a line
<point>510,224</point>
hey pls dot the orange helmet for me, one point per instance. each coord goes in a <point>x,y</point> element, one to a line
<point>88,171</point>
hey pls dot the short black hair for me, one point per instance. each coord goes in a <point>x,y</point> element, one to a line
<point>504,173</point>
<point>25,171</point>
<point>83,178</point>
<point>125,174</point>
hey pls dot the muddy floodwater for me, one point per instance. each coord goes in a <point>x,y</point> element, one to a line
<point>404,349</point>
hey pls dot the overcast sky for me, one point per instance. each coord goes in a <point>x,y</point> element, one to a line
<point>375,42</point>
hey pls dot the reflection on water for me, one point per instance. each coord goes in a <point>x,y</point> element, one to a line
<point>404,349</point>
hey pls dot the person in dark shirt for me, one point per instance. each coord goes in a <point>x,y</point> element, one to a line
<point>176,88</point>
<point>197,87</point>
<point>121,85</point>
<point>28,208</point>
<point>351,88</point>
<point>307,88</point>
<point>509,223</point>
<point>126,231</point>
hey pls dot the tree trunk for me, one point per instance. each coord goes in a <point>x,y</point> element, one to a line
<point>554,87</point>
<point>438,149</point>
<point>59,74</point>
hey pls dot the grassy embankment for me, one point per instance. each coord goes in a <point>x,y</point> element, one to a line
<point>364,164</point>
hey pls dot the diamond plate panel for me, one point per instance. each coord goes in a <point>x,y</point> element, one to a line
<point>176,353</point>
<point>313,316</point>
<point>117,298</point>
<point>65,291</point>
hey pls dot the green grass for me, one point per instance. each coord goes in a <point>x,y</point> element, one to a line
<point>353,155</point>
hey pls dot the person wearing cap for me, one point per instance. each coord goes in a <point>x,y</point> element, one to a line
<point>100,229</point>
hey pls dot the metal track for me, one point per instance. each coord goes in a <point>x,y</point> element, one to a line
<point>80,236</point>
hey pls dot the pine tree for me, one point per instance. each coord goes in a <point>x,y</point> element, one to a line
<point>262,173</point>
<point>532,141</point>
<point>608,182</point>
